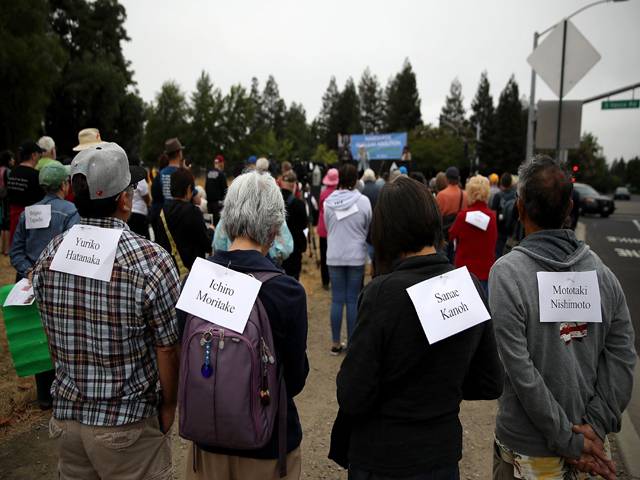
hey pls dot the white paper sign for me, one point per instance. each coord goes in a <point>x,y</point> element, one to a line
<point>340,214</point>
<point>569,297</point>
<point>219,295</point>
<point>37,216</point>
<point>448,304</point>
<point>88,251</point>
<point>20,295</point>
<point>306,232</point>
<point>478,219</point>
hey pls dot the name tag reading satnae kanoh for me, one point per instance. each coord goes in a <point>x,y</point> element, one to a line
<point>87,251</point>
<point>569,297</point>
<point>448,304</point>
<point>218,294</point>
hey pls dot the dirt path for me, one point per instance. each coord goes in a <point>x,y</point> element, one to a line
<point>27,453</point>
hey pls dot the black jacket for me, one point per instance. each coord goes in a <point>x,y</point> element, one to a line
<point>297,220</point>
<point>215,187</point>
<point>401,394</point>
<point>188,229</point>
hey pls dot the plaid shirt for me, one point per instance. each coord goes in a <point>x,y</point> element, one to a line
<point>102,334</point>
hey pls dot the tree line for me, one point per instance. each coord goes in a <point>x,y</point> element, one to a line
<point>66,71</point>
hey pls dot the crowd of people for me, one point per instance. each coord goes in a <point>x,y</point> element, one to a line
<point>125,358</point>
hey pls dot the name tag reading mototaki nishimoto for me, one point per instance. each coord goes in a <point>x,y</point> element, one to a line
<point>448,304</point>
<point>569,297</point>
<point>87,251</point>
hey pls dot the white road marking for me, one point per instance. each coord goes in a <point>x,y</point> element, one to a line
<point>627,252</point>
<point>637,224</point>
<point>613,239</point>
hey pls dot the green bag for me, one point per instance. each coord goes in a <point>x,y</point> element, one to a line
<point>26,337</point>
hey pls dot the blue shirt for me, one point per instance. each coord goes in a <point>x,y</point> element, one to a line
<point>28,244</point>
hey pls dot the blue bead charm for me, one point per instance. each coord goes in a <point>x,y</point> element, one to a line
<point>206,370</point>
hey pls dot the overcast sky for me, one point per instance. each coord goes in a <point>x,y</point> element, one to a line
<point>302,43</point>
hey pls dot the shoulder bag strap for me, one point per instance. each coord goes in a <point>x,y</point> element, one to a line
<point>182,270</point>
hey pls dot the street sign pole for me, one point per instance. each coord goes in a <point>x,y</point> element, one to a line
<point>564,51</point>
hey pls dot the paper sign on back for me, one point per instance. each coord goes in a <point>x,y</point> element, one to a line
<point>20,295</point>
<point>569,297</point>
<point>37,216</point>
<point>448,304</point>
<point>478,219</point>
<point>219,295</point>
<point>87,251</point>
<point>340,214</point>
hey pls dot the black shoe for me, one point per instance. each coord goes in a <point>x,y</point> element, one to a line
<point>45,404</point>
<point>335,351</point>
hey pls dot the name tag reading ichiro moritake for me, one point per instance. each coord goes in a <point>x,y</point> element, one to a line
<point>219,295</point>
<point>87,251</point>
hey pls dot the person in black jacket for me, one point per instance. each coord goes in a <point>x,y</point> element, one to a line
<point>399,395</point>
<point>185,221</point>
<point>216,188</point>
<point>297,221</point>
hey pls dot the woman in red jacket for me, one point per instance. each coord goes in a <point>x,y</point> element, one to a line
<point>475,231</point>
<point>330,182</point>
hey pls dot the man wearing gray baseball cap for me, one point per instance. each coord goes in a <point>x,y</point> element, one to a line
<point>113,343</point>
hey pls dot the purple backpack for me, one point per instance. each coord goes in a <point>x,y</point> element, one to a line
<point>231,390</point>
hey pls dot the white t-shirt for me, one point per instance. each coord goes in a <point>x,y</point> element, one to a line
<point>139,205</point>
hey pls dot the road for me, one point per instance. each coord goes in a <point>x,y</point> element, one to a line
<point>616,240</point>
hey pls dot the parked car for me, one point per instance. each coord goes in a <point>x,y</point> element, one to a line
<point>622,193</point>
<point>591,201</point>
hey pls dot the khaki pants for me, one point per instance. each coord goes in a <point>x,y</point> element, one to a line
<point>213,466</point>
<point>135,451</point>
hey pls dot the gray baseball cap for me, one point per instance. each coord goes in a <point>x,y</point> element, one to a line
<point>107,170</point>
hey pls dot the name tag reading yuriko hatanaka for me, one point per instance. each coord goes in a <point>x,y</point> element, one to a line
<point>569,297</point>
<point>87,251</point>
<point>448,304</point>
<point>218,294</point>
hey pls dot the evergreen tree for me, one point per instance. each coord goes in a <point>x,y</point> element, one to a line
<point>403,101</point>
<point>511,130</point>
<point>96,84</point>
<point>205,132</point>
<point>325,125</point>
<point>29,67</point>
<point>371,103</point>
<point>297,132</point>
<point>255,97</point>
<point>453,113</point>
<point>273,107</point>
<point>237,112</point>
<point>347,111</point>
<point>484,116</point>
<point>167,118</point>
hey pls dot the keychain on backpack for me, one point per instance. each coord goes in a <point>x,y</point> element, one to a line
<point>205,342</point>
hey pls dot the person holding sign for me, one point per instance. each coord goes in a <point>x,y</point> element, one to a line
<point>475,231</point>
<point>253,213</point>
<point>399,393</point>
<point>565,338</point>
<point>44,220</point>
<point>347,215</point>
<point>107,298</point>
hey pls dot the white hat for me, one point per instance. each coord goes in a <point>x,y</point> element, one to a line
<point>46,143</point>
<point>87,137</point>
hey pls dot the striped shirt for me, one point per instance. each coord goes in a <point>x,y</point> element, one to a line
<point>102,335</point>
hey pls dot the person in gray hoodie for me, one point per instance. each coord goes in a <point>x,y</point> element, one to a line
<point>566,383</point>
<point>347,215</point>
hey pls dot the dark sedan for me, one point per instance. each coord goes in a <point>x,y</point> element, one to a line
<point>591,201</point>
<point>622,193</point>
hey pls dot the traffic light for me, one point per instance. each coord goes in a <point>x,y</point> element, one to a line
<point>575,168</point>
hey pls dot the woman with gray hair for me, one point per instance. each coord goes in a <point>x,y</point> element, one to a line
<point>253,213</point>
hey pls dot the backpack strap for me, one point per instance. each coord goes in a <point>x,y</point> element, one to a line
<point>282,397</point>
<point>182,270</point>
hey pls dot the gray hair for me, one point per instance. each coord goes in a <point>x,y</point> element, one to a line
<point>262,164</point>
<point>253,208</point>
<point>545,188</point>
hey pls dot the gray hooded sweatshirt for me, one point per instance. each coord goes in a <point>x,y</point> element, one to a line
<point>551,385</point>
<point>347,215</point>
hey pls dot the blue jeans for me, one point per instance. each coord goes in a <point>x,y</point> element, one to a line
<point>345,287</point>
